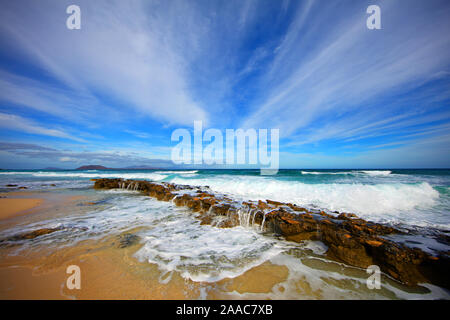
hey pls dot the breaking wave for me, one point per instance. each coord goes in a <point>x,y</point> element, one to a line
<point>362,172</point>
<point>392,203</point>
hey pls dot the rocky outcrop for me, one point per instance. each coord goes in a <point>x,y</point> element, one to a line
<point>34,234</point>
<point>15,186</point>
<point>127,240</point>
<point>350,239</point>
<point>30,235</point>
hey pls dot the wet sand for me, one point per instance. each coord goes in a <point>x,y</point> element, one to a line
<point>10,207</point>
<point>109,272</point>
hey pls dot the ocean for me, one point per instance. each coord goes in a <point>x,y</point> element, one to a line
<point>417,201</point>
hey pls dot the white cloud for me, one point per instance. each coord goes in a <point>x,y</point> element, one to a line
<point>329,65</point>
<point>17,123</point>
<point>118,51</point>
<point>33,94</point>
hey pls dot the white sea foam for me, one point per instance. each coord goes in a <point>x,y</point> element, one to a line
<point>153,176</point>
<point>177,172</point>
<point>355,172</point>
<point>14,172</point>
<point>318,247</point>
<point>388,202</point>
<point>203,253</point>
<point>324,172</point>
<point>376,172</point>
<point>140,175</point>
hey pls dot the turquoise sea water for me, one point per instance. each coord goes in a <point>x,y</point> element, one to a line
<point>416,198</point>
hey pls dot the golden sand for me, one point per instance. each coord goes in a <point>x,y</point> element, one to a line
<point>110,272</point>
<point>10,207</point>
<point>260,279</point>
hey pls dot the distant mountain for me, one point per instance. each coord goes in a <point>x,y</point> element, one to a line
<point>92,167</point>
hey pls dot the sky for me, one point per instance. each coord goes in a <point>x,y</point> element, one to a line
<point>112,92</point>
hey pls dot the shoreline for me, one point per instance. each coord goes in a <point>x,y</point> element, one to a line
<point>111,270</point>
<point>349,239</point>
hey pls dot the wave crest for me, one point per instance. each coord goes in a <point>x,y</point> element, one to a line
<point>356,172</point>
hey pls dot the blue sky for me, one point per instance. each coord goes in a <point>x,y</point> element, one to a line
<point>113,92</point>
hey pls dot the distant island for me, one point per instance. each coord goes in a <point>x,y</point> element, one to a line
<point>93,167</point>
<point>143,168</point>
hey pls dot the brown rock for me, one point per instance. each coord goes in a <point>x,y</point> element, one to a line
<point>374,243</point>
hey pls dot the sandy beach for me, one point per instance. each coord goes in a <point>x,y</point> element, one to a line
<point>11,207</point>
<point>110,272</point>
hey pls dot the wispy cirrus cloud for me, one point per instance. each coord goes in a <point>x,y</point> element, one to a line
<point>49,99</point>
<point>17,123</point>
<point>119,52</point>
<point>11,146</point>
<point>330,75</point>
